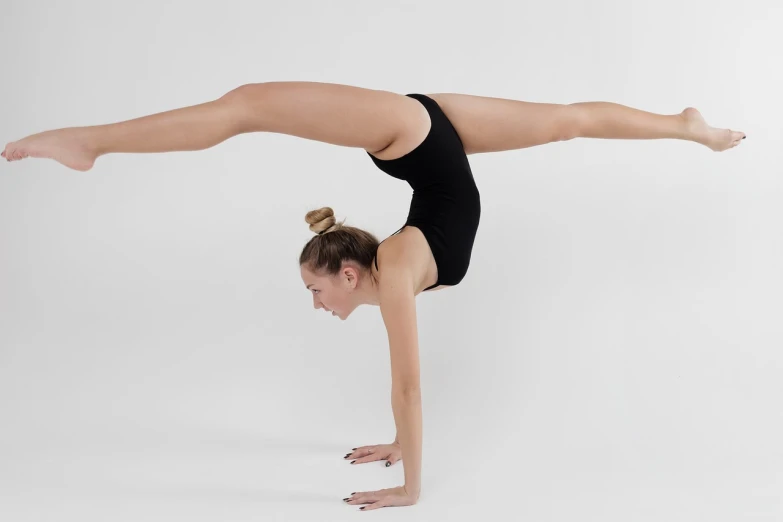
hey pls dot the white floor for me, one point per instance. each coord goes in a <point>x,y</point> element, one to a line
<point>124,473</point>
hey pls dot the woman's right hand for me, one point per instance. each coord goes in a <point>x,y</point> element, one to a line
<point>389,452</point>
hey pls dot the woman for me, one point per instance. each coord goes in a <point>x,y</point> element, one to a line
<point>422,139</point>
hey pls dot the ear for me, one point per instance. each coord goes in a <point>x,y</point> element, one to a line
<point>351,276</point>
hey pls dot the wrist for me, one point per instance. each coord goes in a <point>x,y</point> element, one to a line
<point>412,491</point>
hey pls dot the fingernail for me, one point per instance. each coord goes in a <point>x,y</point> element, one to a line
<point>353,493</point>
<point>346,499</point>
<point>388,463</point>
<point>744,137</point>
<point>347,455</point>
<point>353,461</point>
<point>354,449</point>
<point>362,507</point>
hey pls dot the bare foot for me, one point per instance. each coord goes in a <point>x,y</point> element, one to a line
<point>68,146</point>
<point>716,139</point>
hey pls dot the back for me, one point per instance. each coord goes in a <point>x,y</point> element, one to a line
<point>445,205</point>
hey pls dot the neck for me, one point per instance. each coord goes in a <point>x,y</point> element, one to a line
<point>368,291</point>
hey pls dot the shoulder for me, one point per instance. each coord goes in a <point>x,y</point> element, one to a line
<point>396,268</point>
<point>404,256</point>
<point>397,298</point>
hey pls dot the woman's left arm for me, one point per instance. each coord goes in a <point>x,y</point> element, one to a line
<point>398,308</point>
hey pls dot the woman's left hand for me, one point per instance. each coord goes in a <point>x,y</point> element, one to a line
<point>398,496</point>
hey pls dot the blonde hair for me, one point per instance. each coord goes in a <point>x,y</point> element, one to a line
<point>334,243</point>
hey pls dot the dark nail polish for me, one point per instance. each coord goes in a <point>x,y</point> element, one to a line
<point>353,461</point>
<point>347,455</point>
<point>388,463</point>
<point>346,499</point>
<point>362,507</point>
<point>744,137</point>
<point>354,449</point>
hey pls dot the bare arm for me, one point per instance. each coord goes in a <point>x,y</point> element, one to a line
<point>398,308</point>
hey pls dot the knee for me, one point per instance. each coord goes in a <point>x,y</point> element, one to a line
<point>243,93</point>
<point>247,105</point>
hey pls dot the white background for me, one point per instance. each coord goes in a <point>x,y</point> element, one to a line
<point>615,352</point>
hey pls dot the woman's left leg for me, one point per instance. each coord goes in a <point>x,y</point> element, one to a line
<point>497,124</point>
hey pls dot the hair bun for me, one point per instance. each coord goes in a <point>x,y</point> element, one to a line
<point>321,220</point>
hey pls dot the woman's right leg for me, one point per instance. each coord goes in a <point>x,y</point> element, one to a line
<point>332,113</point>
<point>190,128</point>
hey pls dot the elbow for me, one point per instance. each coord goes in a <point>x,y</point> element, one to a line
<point>408,394</point>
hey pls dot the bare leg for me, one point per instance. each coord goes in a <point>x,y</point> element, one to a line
<point>614,121</point>
<point>487,124</point>
<point>189,128</point>
<point>332,113</point>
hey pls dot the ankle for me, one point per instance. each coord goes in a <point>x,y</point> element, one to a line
<point>93,139</point>
<point>694,128</point>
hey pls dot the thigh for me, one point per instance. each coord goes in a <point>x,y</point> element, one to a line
<point>328,112</point>
<point>487,124</point>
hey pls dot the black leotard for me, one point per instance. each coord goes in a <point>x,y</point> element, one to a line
<point>445,205</point>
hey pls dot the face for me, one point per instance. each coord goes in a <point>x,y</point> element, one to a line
<point>333,294</point>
